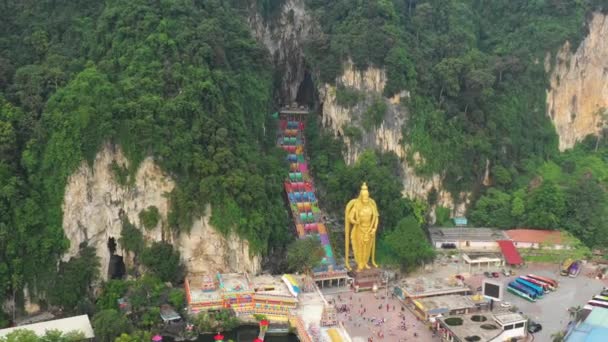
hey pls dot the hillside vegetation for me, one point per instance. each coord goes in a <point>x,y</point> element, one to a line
<point>476,74</point>
<point>181,81</point>
<point>184,82</point>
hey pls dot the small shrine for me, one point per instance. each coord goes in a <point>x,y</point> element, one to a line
<point>208,284</point>
<point>329,317</point>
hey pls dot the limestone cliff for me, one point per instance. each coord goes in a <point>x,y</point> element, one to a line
<point>284,37</point>
<point>94,203</point>
<point>388,136</point>
<point>579,85</point>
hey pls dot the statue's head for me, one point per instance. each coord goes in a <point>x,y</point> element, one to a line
<point>364,194</point>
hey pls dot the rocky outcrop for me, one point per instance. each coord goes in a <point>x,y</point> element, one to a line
<point>95,203</point>
<point>387,136</point>
<point>579,85</point>
<point>284,37</point>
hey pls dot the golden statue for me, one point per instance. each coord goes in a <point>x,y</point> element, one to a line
<point>362,215</point>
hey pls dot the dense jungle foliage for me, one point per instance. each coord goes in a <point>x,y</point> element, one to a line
<point>185,83</point>
<point>475,73</point>
<point>181,81</point>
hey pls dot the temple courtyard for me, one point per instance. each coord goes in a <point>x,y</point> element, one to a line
<point>366,317</point>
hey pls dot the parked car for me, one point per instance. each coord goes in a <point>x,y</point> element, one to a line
<point>505,304</point>
<point>495,274</point>
<point>507,272</point>
<point>479,289</point>
<point>460,277</point>
<point>534,327</point>
<point>487,274</point>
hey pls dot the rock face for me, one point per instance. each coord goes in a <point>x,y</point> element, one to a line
<point>94,203</point>
<point>388,136</point>
<point>579,85</point>
<point>284,37</point>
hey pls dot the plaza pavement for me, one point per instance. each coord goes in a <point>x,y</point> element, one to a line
<point>365,306</point>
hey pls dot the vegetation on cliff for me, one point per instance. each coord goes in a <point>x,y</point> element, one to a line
<point>183,82</point>
<point>476,75</point>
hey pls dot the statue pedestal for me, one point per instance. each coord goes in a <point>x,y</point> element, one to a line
<point>366,279</point>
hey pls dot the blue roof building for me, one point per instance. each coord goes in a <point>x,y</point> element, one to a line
<point>593,329</point>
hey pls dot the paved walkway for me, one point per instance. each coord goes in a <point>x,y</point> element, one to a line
<point>366,312</point>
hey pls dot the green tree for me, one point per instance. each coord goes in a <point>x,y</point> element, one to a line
<point>131,239</point>
<point>73,280</point>
<point>177,298</point>
<point>112,290</point>
<point>586,205</point>
<point>21,335</point>
<point>137,336</point>
<point>304,254</point>
<point>407,245</point>
<point>163,261</point>
<point>546,206</point>
<point>58,336</point>
<point>109,324</point>
<point>493,210</point>
<point>149,217</point>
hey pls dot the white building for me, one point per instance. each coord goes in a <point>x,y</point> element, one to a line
<point>537,238</point>
<point>480,262</point>
<point>473,239</point>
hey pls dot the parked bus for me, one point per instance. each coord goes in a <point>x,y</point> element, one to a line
<point>545,286</point>
<point>566,267</point>
<point>551,282</point>
<point>598,303</point>
<point>601,298</point>
<point>537,289</point>
<point>521,291</point>
<point>575,269</point>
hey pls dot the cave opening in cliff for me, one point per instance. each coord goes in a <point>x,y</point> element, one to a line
<point>116,268</point>
<point>306,91</point>
<point>112,245</point>
<point>116,265</point>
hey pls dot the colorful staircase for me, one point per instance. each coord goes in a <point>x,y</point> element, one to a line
<point>300,189</point>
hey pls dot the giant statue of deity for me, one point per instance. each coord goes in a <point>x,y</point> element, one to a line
<point>360,225</point>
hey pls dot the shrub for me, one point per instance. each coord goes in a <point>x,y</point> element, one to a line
<point>478,318</point>
<point>347,97</point>
<point>453,321</point>
<point>489,327</point>
<point>149,217</point>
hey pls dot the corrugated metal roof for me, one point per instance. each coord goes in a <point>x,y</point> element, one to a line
<point>510,252</point>
<point>439,234</point>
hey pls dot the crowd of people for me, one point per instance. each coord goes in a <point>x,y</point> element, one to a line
<point>375,317</point>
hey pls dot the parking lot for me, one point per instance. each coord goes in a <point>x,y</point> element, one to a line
<point>552,310</point>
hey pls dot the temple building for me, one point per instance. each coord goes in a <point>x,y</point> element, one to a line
<point>272,296</point>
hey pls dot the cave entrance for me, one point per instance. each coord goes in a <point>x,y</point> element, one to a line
<point>116,266</point>
<point>112,245</point>
<point>306,91</point>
